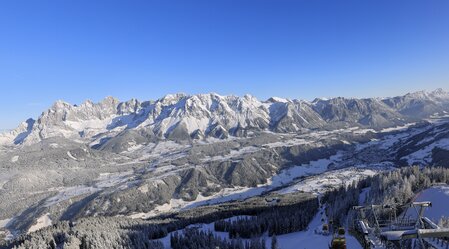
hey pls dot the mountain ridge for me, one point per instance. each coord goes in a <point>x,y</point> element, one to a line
<point>183,117</point>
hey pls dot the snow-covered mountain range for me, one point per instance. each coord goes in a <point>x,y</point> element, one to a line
<point>141,159</point>
<point>184,117</point>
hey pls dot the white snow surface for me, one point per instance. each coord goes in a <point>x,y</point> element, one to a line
<point>330,180</point>
<point>312,168</point>
<point>14,159</point>
<point>105,180</point>
<point>43,221</point>
<point>4,222</point>
<point>65,193</point>
<point>363,195</point>
<point>425,155</point>
<point>397,128</point>
<point>71,156</point>
<point>175,204</point>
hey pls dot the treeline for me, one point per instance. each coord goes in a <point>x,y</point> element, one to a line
<point>122,232</point>
<point>400,186</point>
<point>444,222</point>
<point>279,220</point>
<point>89,233</point>
<point>198,239</point>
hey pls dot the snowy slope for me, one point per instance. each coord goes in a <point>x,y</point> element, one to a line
<point>43,221</point>
<point>307,239</point>
<point>439,196</point>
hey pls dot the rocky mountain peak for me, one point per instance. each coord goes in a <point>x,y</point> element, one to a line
<point>109,101</point>
<point>277,100</point>
<point>439,91</point>
<point>60,105</point>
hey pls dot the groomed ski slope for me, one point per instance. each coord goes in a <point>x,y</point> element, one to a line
<point>308,239</point>
<point>311,240</point>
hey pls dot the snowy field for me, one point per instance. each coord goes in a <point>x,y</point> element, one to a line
<point>330,180</point>
<point>65,193</point>
<point>43,221</point>
<point>425,155</point>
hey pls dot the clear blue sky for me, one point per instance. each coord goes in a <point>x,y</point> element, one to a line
<point>77,50</point>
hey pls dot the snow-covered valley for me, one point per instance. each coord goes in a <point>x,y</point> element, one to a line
<point>133,159</point>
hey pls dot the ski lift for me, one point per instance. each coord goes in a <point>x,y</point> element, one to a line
<point>391,231</point>
<point>339,240</point>
<point>325,227</point>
